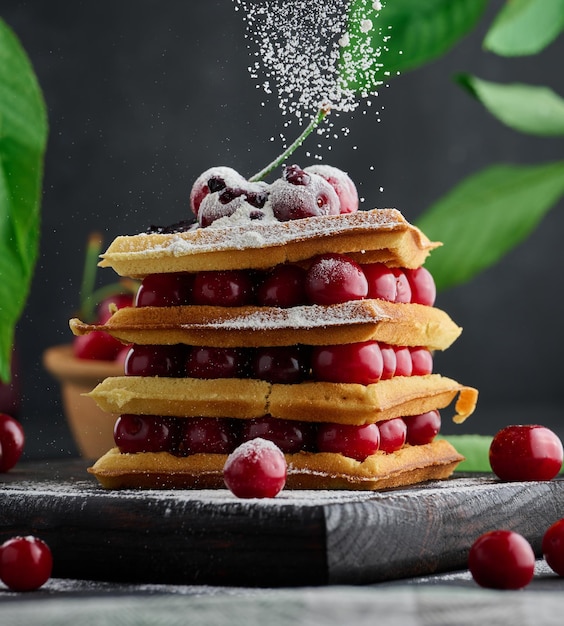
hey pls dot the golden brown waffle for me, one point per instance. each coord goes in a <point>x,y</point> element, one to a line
<point>306,470</point>
<point>380,235</point>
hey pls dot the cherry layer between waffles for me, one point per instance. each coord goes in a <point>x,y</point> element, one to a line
<point>282,312</point>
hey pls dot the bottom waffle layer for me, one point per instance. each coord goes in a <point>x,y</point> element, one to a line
<point>306,470</point>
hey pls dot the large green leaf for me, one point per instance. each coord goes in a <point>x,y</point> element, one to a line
<point>23,139</point>
<point>487,215</point>
<point>416,32</point>
<point>524,27</point>
<point>526,108</point>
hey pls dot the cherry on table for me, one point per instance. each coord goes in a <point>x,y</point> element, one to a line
<point>255,469</point>
<point>12,440</point>
<point>526,452</point>
<point>553,547</point>
<point>25,563</point>
<point>502,559</point>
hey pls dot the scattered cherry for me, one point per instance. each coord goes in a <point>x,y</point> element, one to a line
<point>12,440</point>
<point>341,183</point>
<point>172,289</point>
<point>97,346</point>
<point>422,428</point>
<point>356,442</point>
<point>209,435</point>
<point>502,559</point>
<point>526,452</point>
<point>25,563</point>
<point>223,288</point>
<point>553,547</point>
<point>360,363</point>
<point>393,434</point>
<point>144,433</point>
<point>334,278</point>
<point>255,469</point>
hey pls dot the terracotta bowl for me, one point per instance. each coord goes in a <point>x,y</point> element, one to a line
<point>91,428</point>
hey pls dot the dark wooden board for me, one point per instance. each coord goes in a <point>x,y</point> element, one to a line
<point>298,538</point>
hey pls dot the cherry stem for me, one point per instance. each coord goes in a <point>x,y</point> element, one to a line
<point>321,115</point>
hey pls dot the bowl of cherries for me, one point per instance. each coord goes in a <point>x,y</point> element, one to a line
<point>83,363</point>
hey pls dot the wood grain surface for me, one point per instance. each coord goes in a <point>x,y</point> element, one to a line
<point>298,538</point>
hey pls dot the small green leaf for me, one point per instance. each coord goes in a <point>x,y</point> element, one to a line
<point>23,139</point>
<point>406,35</point>
<point>525,27</point>
<point>526,108</point>
<point>487,215</point>
<point>475,449</point>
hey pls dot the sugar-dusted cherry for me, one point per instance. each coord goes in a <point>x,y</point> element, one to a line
<point>12,440</point>
<point>97,346</point>
<point>334,278</point>
<point>341,183</point>
<point>211,362</point>
<point>422,428</point>
<point>200,188</point>
<point>290,436</point>
<point>25,563</point>
<point>145,433</point>
<point>209,435</point>
<point>172,289</point>
<point>422,283</point>
<point>360,363</point>
<point>393,434</point>
<point>283,286</point>
<point>155,360</point>
<point>255,469</point>
<point>502,559</point>
<point>526,452</point>
<point>553,547</point>
<point>382,283</point>
<point>223,288</point>
<point>356,442</point>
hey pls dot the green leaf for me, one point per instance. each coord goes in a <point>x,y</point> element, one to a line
<point>487,215</point>
<point>526,108</point>
<point>23,139</point>
<point>525,27</point>
<point>475,449</point>
<point>413,32</point>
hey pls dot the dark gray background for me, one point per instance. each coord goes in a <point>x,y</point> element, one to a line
<point>144,95</point>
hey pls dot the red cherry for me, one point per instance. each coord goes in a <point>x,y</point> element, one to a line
<point>530,452</point>
<point>155,360</point>
<point>144,433</point>
<point>289,435</point>
<point>284,286</point>
<point>334,278</point>
<point>223,288</point>
<point>502,559</point>
<point>356,442</point>
<point>12,440</point>
<point>403,287</point>
<point>423,289</point>
<point>389,361</point>
<point>284,365</point>
<point>360,363</point>
<point>208,362</point>
<point>209,435</point>
<point>25,563</point>
<point>382,283</point>
<point>422,428</point>
<point>421,361</point>
<point>393,434</point>
<point>165,290</point>
<point>553,547</point>
<point>97,346</point>
<point>119,301</point>
<point>256,469</point>
<point>404,363</point>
